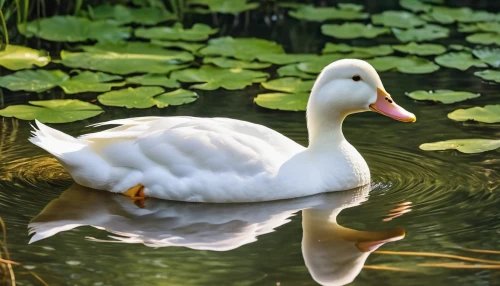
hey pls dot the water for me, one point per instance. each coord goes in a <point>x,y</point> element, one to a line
<point>444,201</point>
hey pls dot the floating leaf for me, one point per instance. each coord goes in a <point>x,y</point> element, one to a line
<point>426,33</point>
<point>213,77</point>
<point>153,79</point>
<point>459,48</point>
<point>443,96</point>
<point>126,15</point>
<point>53,111</point>
<point>321,14</point>
<point>459,60</point>
<point>484,38</point>
<point>420,49</point>
<point>192,47</point>
<point>293,70</point>
<point>126,58</point>
<point>283,59</point>
<point>73,29</point>
<point>317,65</point>
<point>145,97</point>
<point>230,63</point>
<point>382,50</point>
<point>489,75</point>
<point>246,49</point>
<point>199,32</point>
<point>42,80</point>
<point>488,55</point>
<point>283,101</point>
<point>487,114</point>
<point>468,146</point>
<point>19,57</point>
<point>352,31</point>
<point>350,7</point>
<point>398,19</point>
<point>223,6</point>
<point>415,5</point>
<point>408,64</point>
<point>480,27</point>
<point>447,15</point>
<point>289,84</point>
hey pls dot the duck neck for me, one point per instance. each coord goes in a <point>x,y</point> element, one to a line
<point>325,132</point>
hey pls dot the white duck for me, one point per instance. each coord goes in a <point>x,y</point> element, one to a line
<point>226,160</point>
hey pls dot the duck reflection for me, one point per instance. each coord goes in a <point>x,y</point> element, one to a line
<point>334,255</point>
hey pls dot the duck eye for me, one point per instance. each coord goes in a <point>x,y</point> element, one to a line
<point>356,77</point>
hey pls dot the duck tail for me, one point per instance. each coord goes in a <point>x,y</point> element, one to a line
<point>54,141</point>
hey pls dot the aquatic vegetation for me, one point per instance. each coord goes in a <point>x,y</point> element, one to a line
<point>373,51</point>
<point>468,146</point>
<point>146,97</point>
<point>488,55</point>
<point>426,33</point>
<point>479,27</point>
<point>289,84</point>
<point>234,64</point>
<point>447,15</point>
<point>153,79</point>
<point>420,49</point>
<point>487,114</point>
<point>353,31</point>
<point>321,14</point>
<point>221,6</point>
<point>443,96</point>
<point>484,38</point>
<point>408,64</point>
<point>127,15</point>
<point>459,60</point>
<point>293,70</point>
<point>284,59</point>
<point>246,49</point>
<point>316,66</point>
<point>415,5</point>
<point>283,101</point>
<point>191,47</point>
<point>199,32</point>
<point>489,75</point>
<point>397,19</point>
<point>19,57</point>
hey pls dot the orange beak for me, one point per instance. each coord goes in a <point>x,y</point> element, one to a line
<point>386,106</point>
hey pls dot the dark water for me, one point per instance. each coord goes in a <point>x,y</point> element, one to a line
<point>445,201</point>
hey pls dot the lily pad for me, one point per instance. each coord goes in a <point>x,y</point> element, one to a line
<point>127,15</point>
<point>420,49</point>
<point>317,65</point>
<point>415,5</point>
<point>53,111</point>
<point>222,6</point>
<point>352,31</point>
<point>199,32</point>
<point>468,146</point>
<point>42,80</point>
<point>459,60</point>
<point>480,27</point>
<point>237,64</point>
<point>283,101</point>
<point>214,78</point>
<point>447,15</point>
<point>293,70</point>
<point>490,56</point>
<point>246,49</point>
<point>192,47</point>
<point>73,29</point>
<point>408,64</point>
<point>397,19</point>
<point>289,84</point>
<point>426,33</point>
<point>321,14</point>
<point>459,48</point>
<point>145,97</point>
<point>283,59</point>
<point>443,96</point>
<point>484,38</point>
<point>153,79</point>
<point>382,50</point>
<point>489,75</point>
<point>19,57</point>
<point>487,114</point>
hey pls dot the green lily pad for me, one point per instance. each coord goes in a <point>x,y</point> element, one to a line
<point>351,7</point>
<point>397,19</point>
<point>408,64</point>
<point>222,6</point>
<point>352,31</point>
<point>489,75</point>
<point>19,57</point>
<point>480,27</point>
<point>289,84</point>
<point>283,59</point>
<point>236,64</point>
<point>420,49</point>
<point>468,146</point>
<point>447,15</point>
<point>459,60</point>
<point>153,79</point>
<point>73,29</point>
<point>459,48</point>
<point>426,33</point>
<point>283,101</point>
<point>484,38</point>
<point>214,77</point>
<point>126,58</point>
<point>53,111</point>
<point>145,97</point>
<point>382,50</point>
<point>443,96</point>
<point>42,80</point>
<point>293,70</point>
<point>317,65</point>
<point>191,47</point>
<point>490,56</point>
<point>127,15</point>
<point>246,49</point>
<point>199,32</point>
<point>487,114</point>
<point>321,14</point>
<point>415,5</point>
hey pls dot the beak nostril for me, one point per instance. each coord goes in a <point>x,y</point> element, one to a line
<point>390,101</point>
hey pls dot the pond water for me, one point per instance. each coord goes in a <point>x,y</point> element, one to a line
<point>446,202</point>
